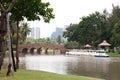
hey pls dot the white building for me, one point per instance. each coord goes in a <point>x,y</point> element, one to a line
<point>35,33</point>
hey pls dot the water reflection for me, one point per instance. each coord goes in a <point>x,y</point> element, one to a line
<point>107,68</point>
<point>21,63</point>
<point>114,71</point>
<point>89,66</point>
<point>47,63</point>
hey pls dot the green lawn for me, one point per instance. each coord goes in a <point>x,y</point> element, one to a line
<point>40,75</point>
<point>113,54</point>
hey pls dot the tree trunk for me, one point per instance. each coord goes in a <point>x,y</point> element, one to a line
<point>9,72</point>
<point>3,50</point>
<point>13,60</point>
<point>17,55</point>
<point>2,41</point>
<point>3,17</point>
<point>2,53</point>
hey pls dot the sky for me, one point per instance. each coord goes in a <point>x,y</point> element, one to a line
<point>70,11</point>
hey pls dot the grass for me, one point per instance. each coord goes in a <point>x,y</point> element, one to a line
<point>40,75</point>
<point>111,54</point>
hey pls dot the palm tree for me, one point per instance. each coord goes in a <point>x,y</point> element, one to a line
<point>13,41</point>
<point>19,35</point>
<point>24,31</point>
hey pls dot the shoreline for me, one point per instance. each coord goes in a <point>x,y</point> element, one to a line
<point>111,54</point>
<point>22,74</point>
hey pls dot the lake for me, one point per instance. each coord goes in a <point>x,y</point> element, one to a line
<point>100,67</point>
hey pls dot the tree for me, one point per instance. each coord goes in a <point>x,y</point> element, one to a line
<point>114,17</point>
<point>46,40</point>
<point>90,30</point>
<point>30,40</point>
<point>72,45</point>
<point>12,37</point>
<point>22,35</point>
<point>9,47</point>
<point>59,39</point>
<point>24,30</point>
<point>93,28</point>
<point>71,32</point>
<point>116,35</point>
<point>31,10</point>
<point>113,22</point>
<point>4,19</point>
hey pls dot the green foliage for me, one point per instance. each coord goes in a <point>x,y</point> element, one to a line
<point>95,28</point>
<point>24,30</point>
<point>113,54</point>
<point>30,40</point>
<point>71,32</point>
<point>29,9</point>
<point>40,40</point>
<point>113,19</point>
<point>44,41</point>
<point>13,27</point>
<point>114,16</point>
<point>89,30</point>
<point>5,3</point>
<point>59,39</point>
<point>72,45</point>
<point>116,34</point>
<point>32,10</point>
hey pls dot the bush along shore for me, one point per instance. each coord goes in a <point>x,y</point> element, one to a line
<point>41,75</point>
<point>111,54</point>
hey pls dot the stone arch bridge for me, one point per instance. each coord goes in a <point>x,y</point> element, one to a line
<point>29,48</point>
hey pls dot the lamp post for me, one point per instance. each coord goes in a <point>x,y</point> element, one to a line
<point>94,33</point>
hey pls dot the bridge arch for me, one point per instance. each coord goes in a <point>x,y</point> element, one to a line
<point>39,50</point>
<point>25,51</point>
<point>32,50</point>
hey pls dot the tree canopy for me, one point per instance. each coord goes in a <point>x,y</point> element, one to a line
<point>89,30</point>
<point>96,27</point>
<point>32,10</point>
<point>29,9</point>
<point>116,34</point>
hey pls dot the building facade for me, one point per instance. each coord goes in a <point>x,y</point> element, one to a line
<point>35,33</point>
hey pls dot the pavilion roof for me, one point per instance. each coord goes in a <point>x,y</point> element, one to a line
<point>88,46</point>
<point>104,43</point>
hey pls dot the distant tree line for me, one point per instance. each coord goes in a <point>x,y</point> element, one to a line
<point>58,40</point>
<point>95,28</point>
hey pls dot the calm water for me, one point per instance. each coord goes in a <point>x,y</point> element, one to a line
<point>106,68</point>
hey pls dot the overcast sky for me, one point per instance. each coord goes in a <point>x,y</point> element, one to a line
<point>70,11</point>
